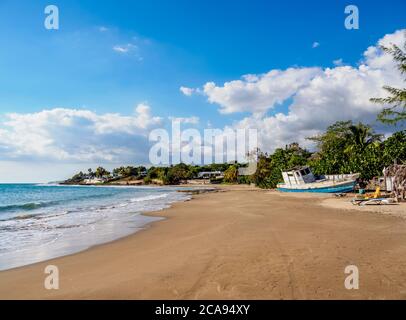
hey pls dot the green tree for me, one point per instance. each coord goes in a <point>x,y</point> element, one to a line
<point>117,171</point>
<point>394,149</point>
<point>156,172</point>
<point>270,167</point>
<point>77,178</point>
<point>129,171</point>
<point>177,173</point>
<point>101,172</point>
<point>397,96</point>
<point>360,136</point>
<point>231,174</point>
<point>346,147</point>
<point>90,173</point>
<point>264,175</point>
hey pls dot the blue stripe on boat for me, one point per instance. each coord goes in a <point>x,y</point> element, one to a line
<point>334,189</point>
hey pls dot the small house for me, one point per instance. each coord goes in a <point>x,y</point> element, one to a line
<point>210,174</point>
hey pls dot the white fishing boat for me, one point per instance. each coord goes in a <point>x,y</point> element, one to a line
<point>302,179</point>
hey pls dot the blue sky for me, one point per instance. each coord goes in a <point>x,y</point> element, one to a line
<point>169,44</point>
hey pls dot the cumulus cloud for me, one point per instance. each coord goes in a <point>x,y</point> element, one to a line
<point>76,135</point>
<point>258,93</point>
<point>320,97</point>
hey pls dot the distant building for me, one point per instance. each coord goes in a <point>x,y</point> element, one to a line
<point>93,180</point>
<point>244,172</point>
<point>210,174</point>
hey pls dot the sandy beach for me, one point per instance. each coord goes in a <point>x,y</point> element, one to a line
<point>240,243</point>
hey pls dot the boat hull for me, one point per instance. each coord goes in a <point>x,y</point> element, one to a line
<point>334,188</point>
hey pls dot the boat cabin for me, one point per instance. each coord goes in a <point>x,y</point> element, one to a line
<point>298,175</point>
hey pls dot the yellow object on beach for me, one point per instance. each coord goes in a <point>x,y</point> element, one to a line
<point>375,195</point>
<point>370,196</point>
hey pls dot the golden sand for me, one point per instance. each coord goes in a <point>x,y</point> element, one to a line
<point>242,243</point>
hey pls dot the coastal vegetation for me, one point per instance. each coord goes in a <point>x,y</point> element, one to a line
<point>129,171</point>
<point>231,174</point>
<point>170,175</point>
<point>344,147</point>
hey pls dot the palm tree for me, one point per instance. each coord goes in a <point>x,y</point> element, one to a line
<point>397,96</point>
<point>360,136</point>
<point>101,172</point>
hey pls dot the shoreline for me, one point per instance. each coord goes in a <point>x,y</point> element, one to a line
<point>148,216</point>
<point>201,250</point>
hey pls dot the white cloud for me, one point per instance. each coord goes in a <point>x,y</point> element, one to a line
<point>320,97</point>
<point>189,120</point>
<point>129,49</point>
<point>187,91</point>
<point>338,62</point>
<point>190,91</point>
<point>125,48</point>
<point>315,44</point>
<point>76,135</point>
<point>258,93</point>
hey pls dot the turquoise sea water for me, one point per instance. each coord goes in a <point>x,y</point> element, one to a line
<point>39,222</point>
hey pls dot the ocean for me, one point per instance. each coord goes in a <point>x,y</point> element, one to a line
<point>40,222</point>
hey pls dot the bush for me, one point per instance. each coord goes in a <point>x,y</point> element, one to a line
<point>231,174</point>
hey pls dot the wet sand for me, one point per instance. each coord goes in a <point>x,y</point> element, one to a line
<point>242,243</point>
